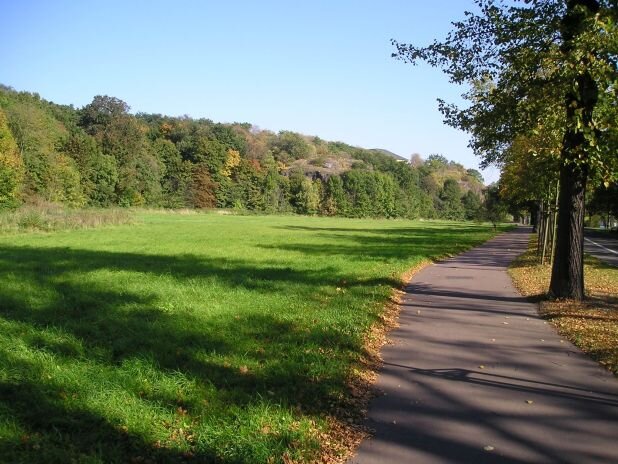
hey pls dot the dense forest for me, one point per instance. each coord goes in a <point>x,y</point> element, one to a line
<point>102,155</point>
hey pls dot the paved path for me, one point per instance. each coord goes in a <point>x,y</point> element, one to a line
<point>472,366</point>
<point>603,246</point>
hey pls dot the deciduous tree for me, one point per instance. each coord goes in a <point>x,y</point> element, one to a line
<point>11,166</point>
<point>533,64</point>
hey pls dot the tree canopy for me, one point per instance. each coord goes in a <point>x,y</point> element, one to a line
<point>542,77</point>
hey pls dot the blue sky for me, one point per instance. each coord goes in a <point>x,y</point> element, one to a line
<point>320,67</point>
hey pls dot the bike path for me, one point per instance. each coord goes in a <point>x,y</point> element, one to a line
<point>475,376</point>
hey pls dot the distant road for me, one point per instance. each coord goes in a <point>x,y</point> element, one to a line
<point>601,246</point>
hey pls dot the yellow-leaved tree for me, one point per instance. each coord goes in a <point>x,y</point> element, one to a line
<point>232,162</point>
<point>11,166</point>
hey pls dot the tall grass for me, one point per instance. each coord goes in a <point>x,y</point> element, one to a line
<point>51,217</point>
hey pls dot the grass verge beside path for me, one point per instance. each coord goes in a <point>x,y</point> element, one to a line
<point>198,338</point>
<point>592,325</point>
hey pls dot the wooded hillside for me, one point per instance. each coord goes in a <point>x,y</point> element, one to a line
<point>102,155</point>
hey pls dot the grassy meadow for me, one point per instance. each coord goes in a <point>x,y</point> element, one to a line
<point>195,337</point>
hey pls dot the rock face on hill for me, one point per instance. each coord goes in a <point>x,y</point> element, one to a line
<point>389,153</point>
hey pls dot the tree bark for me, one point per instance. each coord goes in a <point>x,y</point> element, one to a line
<point>567,279</point>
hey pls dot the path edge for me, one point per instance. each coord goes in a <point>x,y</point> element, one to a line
<point>342,439</point>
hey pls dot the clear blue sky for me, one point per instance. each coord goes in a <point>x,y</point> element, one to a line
<point>316,67</point>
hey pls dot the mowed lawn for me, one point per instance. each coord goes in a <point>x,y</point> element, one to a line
<point>194,338</point>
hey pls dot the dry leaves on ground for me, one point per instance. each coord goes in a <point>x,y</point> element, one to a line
<point>592,325</point>
<point>346,430</point>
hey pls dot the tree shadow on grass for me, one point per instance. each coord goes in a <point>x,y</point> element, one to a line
<point>389,244</point>
<point>111,325</point>
<point>54,433</point>
<point>53,430</point>
<point>292,364</point>
<point>397,243</point>
<point>422,230</point>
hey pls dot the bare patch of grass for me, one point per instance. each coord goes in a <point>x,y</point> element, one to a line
<point>592,325</point>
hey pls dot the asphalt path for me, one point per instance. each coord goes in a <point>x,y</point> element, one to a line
<point>602,246</point>
<point>475,376</point>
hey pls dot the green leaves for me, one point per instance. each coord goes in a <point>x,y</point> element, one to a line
<point>11,166</point>
<point>520,68</point>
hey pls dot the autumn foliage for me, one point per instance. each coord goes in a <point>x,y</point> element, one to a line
<point>11,165</point>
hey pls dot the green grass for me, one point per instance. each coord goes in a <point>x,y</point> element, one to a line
<point>199,338</point>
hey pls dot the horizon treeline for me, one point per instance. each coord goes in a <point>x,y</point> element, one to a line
<point>101,155</point>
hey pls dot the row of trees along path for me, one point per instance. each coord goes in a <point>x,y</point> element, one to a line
<point>474,375</point>
<point>543,85</point>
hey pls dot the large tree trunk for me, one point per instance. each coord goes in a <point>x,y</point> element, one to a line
<point>567,278</point>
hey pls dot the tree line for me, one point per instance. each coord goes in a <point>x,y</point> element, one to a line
<point>101,155</point>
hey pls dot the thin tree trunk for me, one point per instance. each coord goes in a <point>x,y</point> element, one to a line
<point>554,227</point>
<point>550,242</point>
<point>534,216</point>
<point>546,217</point>
<point>539,242</point>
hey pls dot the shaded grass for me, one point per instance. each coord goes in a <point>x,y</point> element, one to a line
<point>592,325</point>
<point>199,338</point>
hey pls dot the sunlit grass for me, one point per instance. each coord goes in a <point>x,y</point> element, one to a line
<point>194,337</point>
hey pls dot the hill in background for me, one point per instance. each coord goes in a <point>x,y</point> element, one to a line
<point>102,155</point>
